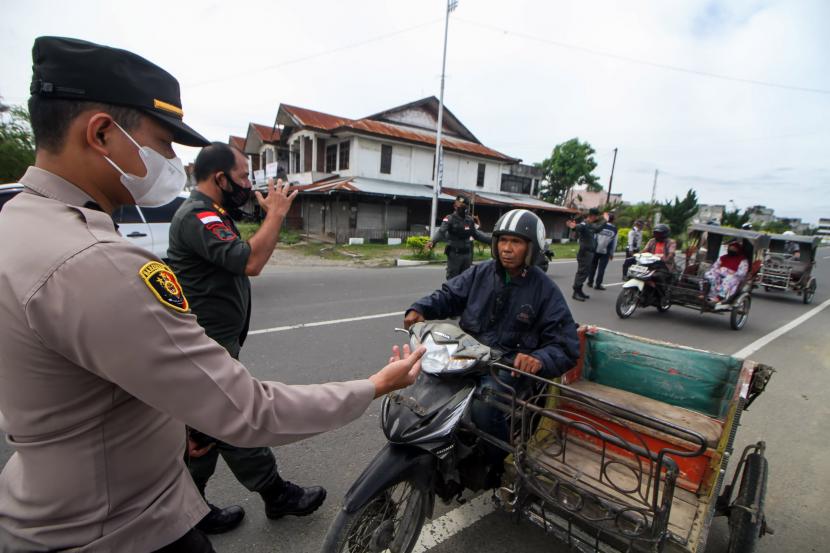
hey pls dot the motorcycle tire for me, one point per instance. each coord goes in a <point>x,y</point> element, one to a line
<point>746,515</point>
<point>376,527</point>
<point>627,302</point>
<point>664,303</point>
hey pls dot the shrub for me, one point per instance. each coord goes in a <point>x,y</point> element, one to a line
<point>622,238</point>
<point>418,246</point>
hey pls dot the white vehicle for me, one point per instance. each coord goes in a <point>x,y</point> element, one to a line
<point>147,227</point>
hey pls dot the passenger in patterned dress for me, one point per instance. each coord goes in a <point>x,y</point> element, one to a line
<point>727,274</point>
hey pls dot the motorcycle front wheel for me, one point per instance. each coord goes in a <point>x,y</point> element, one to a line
<point>391,521</point>
<point>627,302</point>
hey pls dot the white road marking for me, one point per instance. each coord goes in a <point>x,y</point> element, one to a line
<point>443,528</point>
<point>764,340</point>
<point>326,323</point>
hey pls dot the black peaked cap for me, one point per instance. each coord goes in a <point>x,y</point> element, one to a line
<point>75,69</point>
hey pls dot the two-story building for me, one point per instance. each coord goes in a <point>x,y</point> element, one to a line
<point>373,177</point>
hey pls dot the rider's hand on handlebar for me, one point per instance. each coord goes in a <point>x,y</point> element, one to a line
<point>527,363</point>
<point>400,372</point>
<point>411,318</point>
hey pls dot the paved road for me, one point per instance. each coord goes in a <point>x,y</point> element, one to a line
<point>789,416</point>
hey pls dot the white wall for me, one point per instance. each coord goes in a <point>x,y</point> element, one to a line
<point>414,164</point>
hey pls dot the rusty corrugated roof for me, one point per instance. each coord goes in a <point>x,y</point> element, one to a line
<point>265,133</point>
<point>331,123</point>
<point>237,142</point>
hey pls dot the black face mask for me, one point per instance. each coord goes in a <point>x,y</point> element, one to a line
<point>237,196</point>
<point>731,252</point>
<point>461,210</point>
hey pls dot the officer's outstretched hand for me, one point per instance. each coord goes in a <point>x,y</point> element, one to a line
<point>527,363</point>
<point>400,372</point>
<point>278,200</point>
<point>411,318</point>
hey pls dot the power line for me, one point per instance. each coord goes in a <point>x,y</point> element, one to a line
<point>371,40</point>
<point>606,54</point>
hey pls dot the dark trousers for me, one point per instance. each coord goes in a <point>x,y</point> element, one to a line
<point>584,258</point>
<point>193,542</point>
<point>457,263</point>
<point>598,265</point>
<point>254,467</point>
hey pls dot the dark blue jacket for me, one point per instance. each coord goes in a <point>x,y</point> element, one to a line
<point>527,315</point>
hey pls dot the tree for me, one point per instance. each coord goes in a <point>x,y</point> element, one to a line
<point>643,211</point>
<point>734,218</point>
<point>17,145</point>
<point>677,214</point>
<point>775,227</point>
<point>570,163</point>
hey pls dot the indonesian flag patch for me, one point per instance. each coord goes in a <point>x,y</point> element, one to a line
<point>216,225</point>
<point>164,285</point>
<point>208,217</point>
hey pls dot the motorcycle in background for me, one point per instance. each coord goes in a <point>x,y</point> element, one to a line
<point>647,285</point>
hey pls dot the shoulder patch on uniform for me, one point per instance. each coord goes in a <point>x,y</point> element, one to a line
<point>208,217</point>
<point>164,285</point>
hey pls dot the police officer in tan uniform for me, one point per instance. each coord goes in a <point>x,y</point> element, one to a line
<point>101,363</point>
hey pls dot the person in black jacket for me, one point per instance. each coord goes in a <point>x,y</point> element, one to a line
<point>586,234</point>
<point>509,304</point>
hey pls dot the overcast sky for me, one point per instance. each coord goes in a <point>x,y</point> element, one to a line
<point>665,82</point>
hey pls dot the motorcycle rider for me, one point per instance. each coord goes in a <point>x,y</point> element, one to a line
<point>458,230</point>
<point>665,247</point>
<point>508,304</point>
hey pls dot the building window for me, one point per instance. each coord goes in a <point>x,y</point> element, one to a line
<point>331,158</point>
<point>344,155</point>
<point>516,184</point>
<point>385,159</point>
<point>480,177</point>
<point>295,159</point>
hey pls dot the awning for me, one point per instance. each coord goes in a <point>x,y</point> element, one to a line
<point>374,187</point>
<point>511,201</point>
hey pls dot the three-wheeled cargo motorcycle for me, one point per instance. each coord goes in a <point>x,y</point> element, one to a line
<point>626,452</point>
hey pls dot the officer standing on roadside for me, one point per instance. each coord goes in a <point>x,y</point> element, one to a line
<point>458,229</point>
<point>101,362</point>
<point>586,234</point>
<point>213,264</point>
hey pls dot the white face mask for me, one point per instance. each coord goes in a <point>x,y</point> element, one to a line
<point>164,180</point>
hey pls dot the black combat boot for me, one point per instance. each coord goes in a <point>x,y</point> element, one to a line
<point>219,521</point>
<point>579,295</point>
<point>285,498</point>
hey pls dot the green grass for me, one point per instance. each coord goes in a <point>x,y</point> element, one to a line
<point>287,236</point>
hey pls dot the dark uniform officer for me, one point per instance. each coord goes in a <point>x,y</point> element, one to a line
<point>101,362</point>
<point>586,235</point>
<point>212,263</point>
<point>458,230</point>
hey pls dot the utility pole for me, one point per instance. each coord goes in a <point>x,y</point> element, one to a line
<point>653,199</point>
<point>438,172</point>
<point>611,180</point>
<point>654,187</point>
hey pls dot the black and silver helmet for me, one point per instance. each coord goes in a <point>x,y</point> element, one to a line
<point>524,224</point>
<point>661,231</point>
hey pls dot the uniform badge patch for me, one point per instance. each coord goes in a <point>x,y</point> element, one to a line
<point>216,225</point>
<point>164,285</point>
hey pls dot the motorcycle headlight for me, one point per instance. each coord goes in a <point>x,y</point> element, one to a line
<point>439,358</point>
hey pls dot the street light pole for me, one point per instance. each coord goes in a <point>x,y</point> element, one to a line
<point>438,171</point>
<point>611,180</point>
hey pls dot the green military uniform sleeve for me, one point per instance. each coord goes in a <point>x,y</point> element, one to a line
<point>215,240</point>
